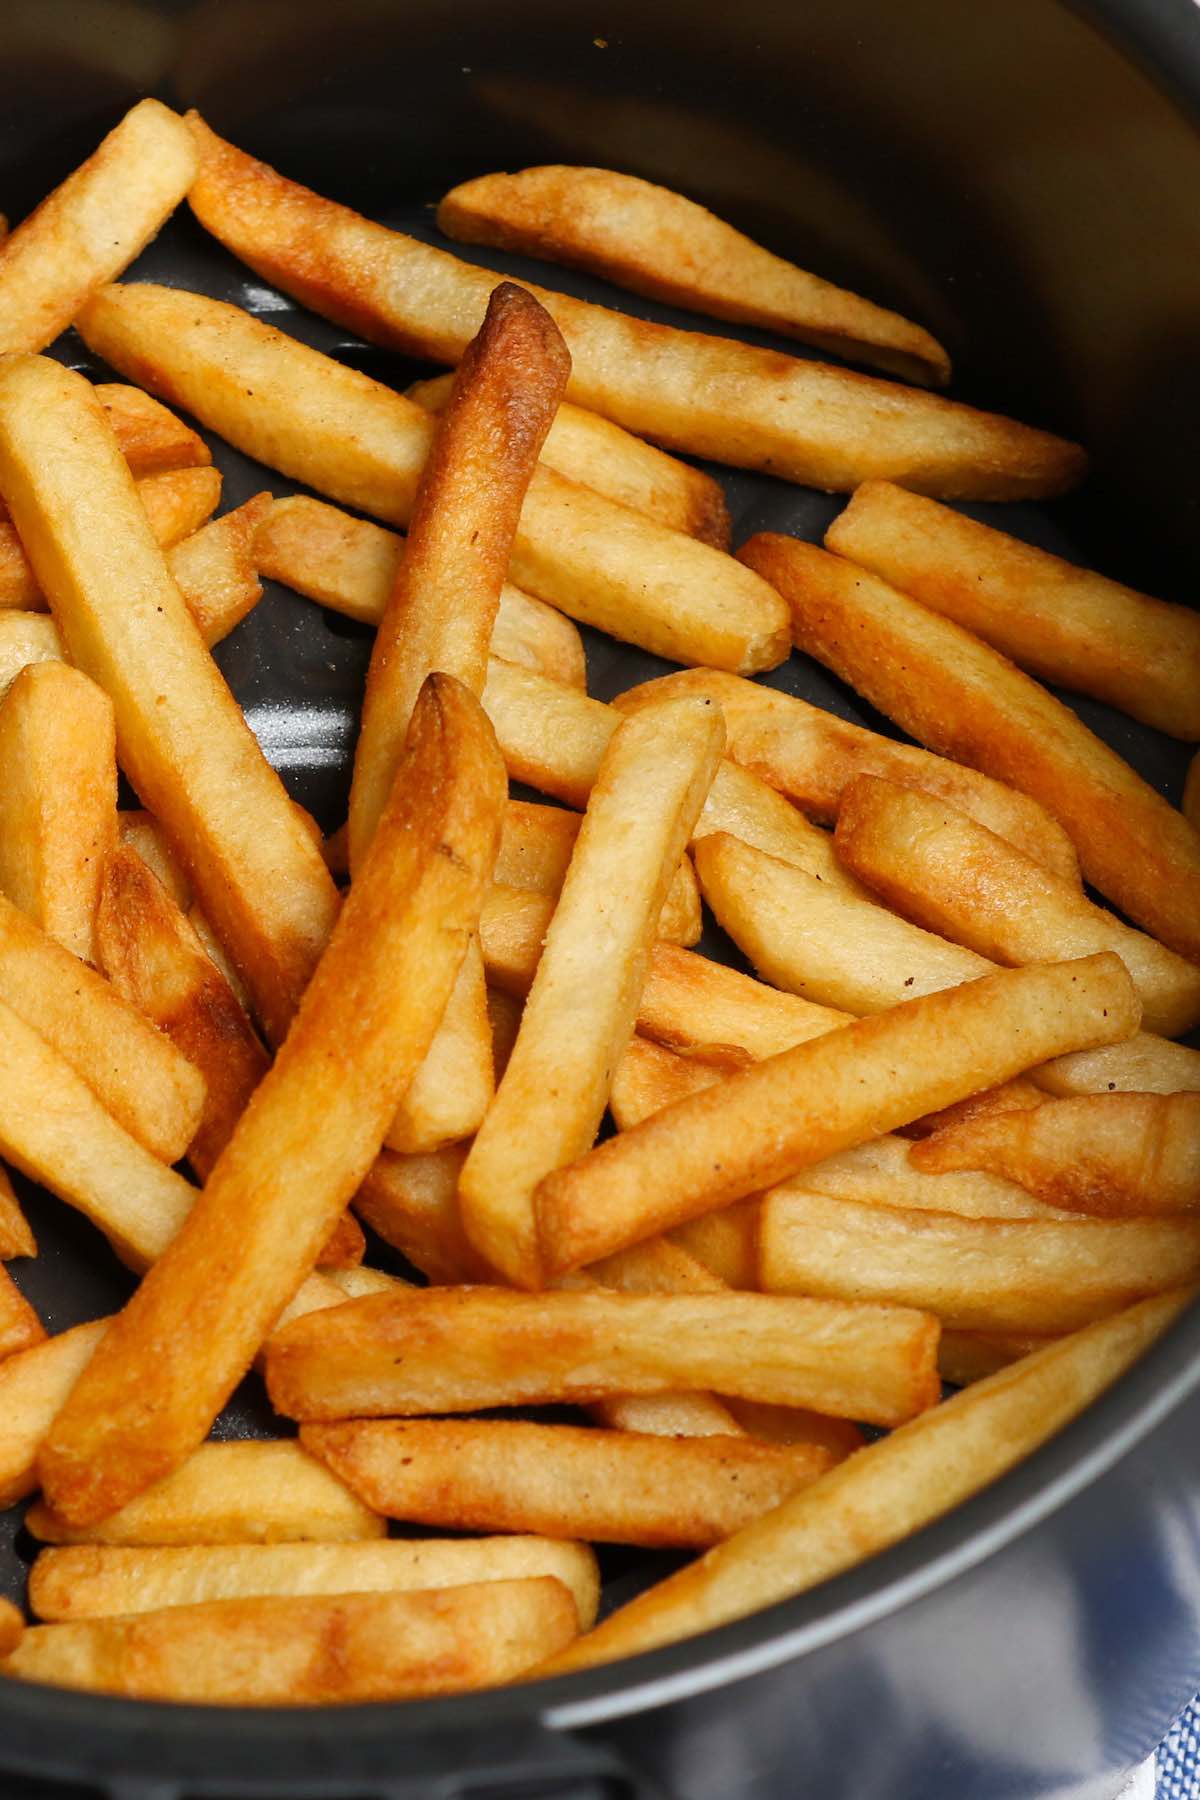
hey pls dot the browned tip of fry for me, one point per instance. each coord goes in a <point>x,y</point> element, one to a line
<point>517,326</point>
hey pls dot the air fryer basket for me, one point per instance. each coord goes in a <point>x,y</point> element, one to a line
<point>1010,174</point>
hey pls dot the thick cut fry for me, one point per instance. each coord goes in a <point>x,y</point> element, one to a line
<point>236,1493</point>
<point>656,242</point>
<point>214,569</point>
<point>138,1077</point>
<point>311,1132</point>
<point>1036,1275</point>
<point>535,851</point>
<point>958,696</point>
<point>151,438</point>
<point>708,396</point>
<point>592,450</point>
<point>58,800</point>
<point>16,1238</point>
<point>412,1203</point>
<point>181,736</point>
<point>583,1001</point>
<point>688,1000</point>
<point>455,1349</point>
<point>33,1386</point>
<point>12,1627</point>
<point>888,1491</point>
<point>1062,623</point>
<point>94,1581</point>
<point>93,225</point>
<point>1107,1154</point>
<point>452,1090</point>
<point>952,875</point>
<point>362,444</point>
<point>26,637</point>
<point>811,756</point>
<point>768,1122</point>
<point>20,1327</point>
<point>567,1481</point>
<point>350,565</point>
<point>309,1651</point>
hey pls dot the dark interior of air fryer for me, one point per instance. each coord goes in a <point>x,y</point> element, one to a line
<point>878,173</point>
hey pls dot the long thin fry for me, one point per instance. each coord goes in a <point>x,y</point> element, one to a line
<point>535,852</point>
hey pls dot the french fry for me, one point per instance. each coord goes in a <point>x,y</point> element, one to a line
<point>1111,1154</point>
<point>952,875</point>
<point>1035,1275</point>
<point>94,1581</point>
<point>181,736</point>
<point>563,1480</point>
<point>350,565</point>
<point>26,637</point>
<point>93,225</point>
<point>411,1202</point>
<point>726,1242</point>
<point>707,396</point>
<point>1011,1096</point>
<point>33,1386</point>
<point>768,1122</point>
<point>12,1627</point>
<point>890,1490</point>
<point>965,1357</point>
<point>364,1025</point>
<point>583,1001</point>
<point>451,1091</point>
<point>58,799</point>
<point>16,1238</point>
<point>958,696</point>
<point>214,569</point>
<point>234,1493</point>
<point>138,831</point>
<point>151,438</point>
<point>364,445</point>
<point>1064,624</point>
<point>811,756</point>
<point>309,1651</point>
<point>836,947</point>
<point>688,1000</point>
<point>535,850</point>
<point>20,1327</point>
<point>592,450</point>
<point>455,1349</point>
<point>656,242</point>
<point>138,1078</point>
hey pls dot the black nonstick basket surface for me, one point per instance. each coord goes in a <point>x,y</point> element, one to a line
<point>1012,176</point>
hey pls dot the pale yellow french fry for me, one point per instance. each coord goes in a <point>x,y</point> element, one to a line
<point>20,1327</point>
<point>26,637</point>
<point>451,1091</point>
<point>93,225</point>
<point>1064,624</point>
<point>957,695</point>
<point>567,1481</point>
<point>887,1492</point>
<point>708,396</point>
<point>726,1242</point>
<point>656,242</point>
<point>349,564</point>
<point>592,450</point>
<point>535,850</point>
<point>952,875</point>
<point>456,1349</point>
<point>309,1650</point>
<point>235,1493</point>
<point>811,756</point>
<point>311,1132</point>
<point>363,444</point>
<point>16,1238</point>
<point>583,1001</point>
<point>181,736</point>
<point>58,800</point>
<point>214,569</point>
<point>94,1581</point>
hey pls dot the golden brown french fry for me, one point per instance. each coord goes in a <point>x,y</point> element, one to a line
<point>58,799</point>
<point>548,1107</point>
<point>768,1122</point>
<point>969,1356</point>
<point>708,396</point>
<point>689,1001</point>
<point>181,736</point>
<point>137,1076</point>
<point>838,947</point>
<point>1111,1154</point>
<point>20,1327</point>
<point>411,1202</point>
<point>234,1493</point>
<point>215,572</point>
<point>592,450</point>
<point>139,831</point>
<point>26,637</point>
<point>350,565</point>
<point>93,225</point>
<point>455,1349</point>
<point>16,1238</point>
<point>952,875</point>
<point>535,850</point>
<point>567,1481</point>
<point>656,242</point>
<point>1064,624</point>
<point>363,444</point>
<point>811,755</point>
<point>795,1425</point>
<point>726,1242</point>
<point>1037,1275</point>
<point>451,1091</point>
<point>1011,1096</point>
<point>958,696</point>
<point>12,1627</point>
<point>364,1025</point>
<point>890,1490</point>
<point>97,1580</point>
<point>151,438</point>
<point>33,1385</point>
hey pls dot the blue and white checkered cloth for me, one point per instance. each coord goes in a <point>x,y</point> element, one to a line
<point>1173,1772</point>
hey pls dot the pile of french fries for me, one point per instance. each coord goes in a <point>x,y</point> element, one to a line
<point>945,1132</point>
